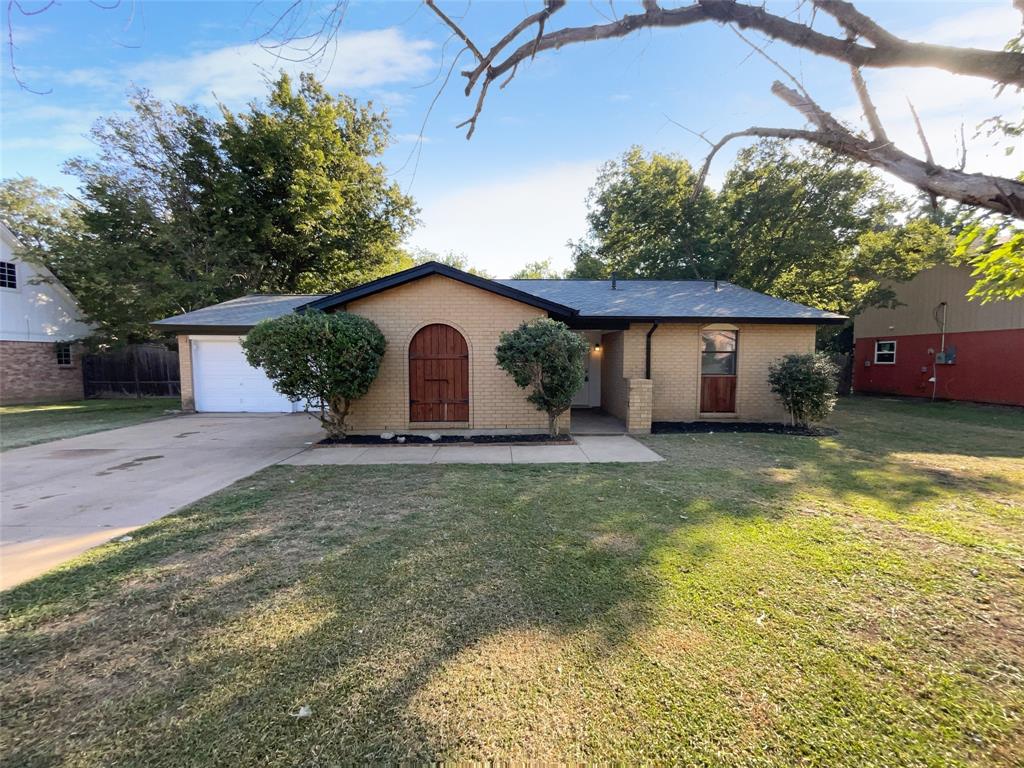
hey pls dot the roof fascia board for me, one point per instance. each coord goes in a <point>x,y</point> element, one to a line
<point>579,321</point>
<point>204,330</point>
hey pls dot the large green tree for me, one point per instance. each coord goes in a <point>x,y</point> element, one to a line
<point>814,227</point>
<point>804,225</point>
<point>644,221</point>
<point>179,209</point>
<point>307,200</point>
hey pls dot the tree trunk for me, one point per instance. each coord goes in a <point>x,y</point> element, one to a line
<point>334,419</point>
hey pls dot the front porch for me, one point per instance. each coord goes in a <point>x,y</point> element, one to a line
<point>595,421</point>
<point>611,402</point>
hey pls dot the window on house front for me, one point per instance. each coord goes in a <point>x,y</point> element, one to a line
<point>63,353</point>
<point>718,353</point>
<point>8,274</point>
<point>885,352</point>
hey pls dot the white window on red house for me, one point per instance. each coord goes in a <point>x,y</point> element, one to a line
<point>8,274</point>
<point>885,352</point>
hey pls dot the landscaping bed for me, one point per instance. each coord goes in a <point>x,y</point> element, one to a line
<point>408,439</point>
<point>684,427</point>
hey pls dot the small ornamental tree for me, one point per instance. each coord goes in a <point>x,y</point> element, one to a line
<point>548,357</point>
<point>327,361</point>
<point>806,384</point>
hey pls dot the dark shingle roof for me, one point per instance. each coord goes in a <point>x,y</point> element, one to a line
<point>574,300</point>
<point>238,313</point>
<point>677,299</point>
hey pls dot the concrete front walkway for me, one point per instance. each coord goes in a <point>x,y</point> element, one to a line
<point>62,498</point>
<point>588,450</point>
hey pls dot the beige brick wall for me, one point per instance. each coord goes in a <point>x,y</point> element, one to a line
<point>758,347</point>
<point>638,417</point>
<point>675,369</point>
<point>29,373</point>
<point>614,392</point>
<point>188,397</point>
<point>495,402</point>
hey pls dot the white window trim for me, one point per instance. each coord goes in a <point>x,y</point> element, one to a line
<point>885,362</point>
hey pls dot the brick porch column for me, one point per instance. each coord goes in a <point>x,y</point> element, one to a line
<point>640,405</point>
<point>188,398</point>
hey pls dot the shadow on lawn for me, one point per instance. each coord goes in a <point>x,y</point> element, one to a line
<point>303,587</point>
<point>207,629</point>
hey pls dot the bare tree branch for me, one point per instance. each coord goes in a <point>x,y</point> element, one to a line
<point>472,76</point>
<point>856,22</point>
<point>755,132</point>
<point>887,51</point>
<point>15,72</point>
<point>978,189</point>
<point>963,143</point>
<point>454,28</point>
<point>920,133</point>
<point>471,122</point>
<point>877,130</point>
<point>755,48</point>
<point>883,50</point>
<point>933,199</point>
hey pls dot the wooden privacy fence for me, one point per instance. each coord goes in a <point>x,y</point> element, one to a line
<point>139,369</point>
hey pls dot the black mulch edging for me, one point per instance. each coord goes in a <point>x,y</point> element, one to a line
<point>447,440</point>
<point>681,427</point>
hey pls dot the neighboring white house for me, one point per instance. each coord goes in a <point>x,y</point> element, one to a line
<point>39,323</point>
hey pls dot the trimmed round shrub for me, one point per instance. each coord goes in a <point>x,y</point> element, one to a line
<point>806,384</point>
<point>325,360</point>
<point>547,357</point>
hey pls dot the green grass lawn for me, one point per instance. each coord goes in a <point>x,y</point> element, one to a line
<point>754,600</point>
<point>22,425</point>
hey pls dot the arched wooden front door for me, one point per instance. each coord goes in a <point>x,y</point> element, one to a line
<point>438,375</point>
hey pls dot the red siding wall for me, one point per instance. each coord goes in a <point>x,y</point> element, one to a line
<point>989,367</point>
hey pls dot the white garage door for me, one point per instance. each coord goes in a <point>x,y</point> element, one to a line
<point>224,380</point>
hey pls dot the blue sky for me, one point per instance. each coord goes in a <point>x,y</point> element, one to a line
<point>516,192</point>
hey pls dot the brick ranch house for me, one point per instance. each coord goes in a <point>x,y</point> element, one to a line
<point>659,350</point>
<point>39,325</point>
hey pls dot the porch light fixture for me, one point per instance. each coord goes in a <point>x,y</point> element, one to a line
<point>597,346</point>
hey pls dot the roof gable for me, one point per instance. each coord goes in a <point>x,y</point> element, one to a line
<point>436,268</point>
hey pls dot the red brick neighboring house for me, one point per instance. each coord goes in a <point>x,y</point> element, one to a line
<point>39,325</point>
<point>937,343</point>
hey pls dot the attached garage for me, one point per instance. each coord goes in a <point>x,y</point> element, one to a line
<point>225,382</point>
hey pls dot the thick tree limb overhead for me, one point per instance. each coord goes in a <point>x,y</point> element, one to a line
<point>887,50</point>
<point>977,189</point>
<point>866,44</point>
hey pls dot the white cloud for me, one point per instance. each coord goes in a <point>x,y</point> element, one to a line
<point>502,225</point>
<point>239,73</point>
<point>235,75</point>
<point>986,26</point>
<point>47,126</point>
<point>413,138</point>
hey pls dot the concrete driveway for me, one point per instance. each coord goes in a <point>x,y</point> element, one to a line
<point>61,498</point>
